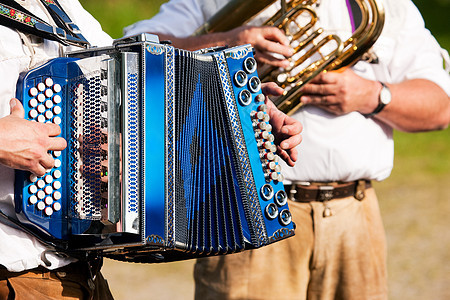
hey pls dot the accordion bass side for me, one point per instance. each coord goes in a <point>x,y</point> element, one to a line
<point>170,154</point>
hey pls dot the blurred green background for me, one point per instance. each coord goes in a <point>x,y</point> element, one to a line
<point>414,200</point>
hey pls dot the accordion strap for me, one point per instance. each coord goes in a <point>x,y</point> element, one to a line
<point>15,16</point>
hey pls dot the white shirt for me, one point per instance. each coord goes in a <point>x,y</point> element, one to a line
<point>19,251</point>
<point>337,148</point>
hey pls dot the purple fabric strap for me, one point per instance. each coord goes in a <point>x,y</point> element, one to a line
<point>350,13</point>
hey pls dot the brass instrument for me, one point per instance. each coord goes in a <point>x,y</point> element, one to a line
<point>308,41</point>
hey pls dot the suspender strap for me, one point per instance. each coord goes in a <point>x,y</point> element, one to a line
<point>15,16</point>
<point>355,13</point>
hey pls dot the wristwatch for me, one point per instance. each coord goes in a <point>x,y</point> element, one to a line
<point>384,99</point>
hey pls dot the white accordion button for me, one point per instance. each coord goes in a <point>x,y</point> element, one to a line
<point>33,92</point>
<point>57,206</point>
<point>57,174</point>
<point>41,97</point>
<point>33,102</point>
<point>57,88</point>
<point>40,184</point>
<point>33,178</point>
<point>48,82</point>
<point>41,108</point>
<point>57,120</point>
<point>40,194</point>
<point>41,119</point>
<point>56,195</point>
<point>32,189</point>
<point>33,114</point>
<point>33,200</point>
<point>48,190</point>
<point>48,114</point>
<point>48,200</point>
<point>48,211</point>
<point>49,104</point>
<point>260,98</point>
<point>56,185</point>
<point>56,153</point>
<point>48,179</point>
<point>57,163</point>
<point>56,110</point>
<point>48,93</point>
<point>41,87</point>
<point>40,205</point>
<point>57,99</point>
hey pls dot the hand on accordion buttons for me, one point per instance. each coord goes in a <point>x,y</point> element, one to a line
<point>287,130</point>
<point>25,144</point>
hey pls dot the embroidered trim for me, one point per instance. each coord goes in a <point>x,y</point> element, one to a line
<point>17,15</point>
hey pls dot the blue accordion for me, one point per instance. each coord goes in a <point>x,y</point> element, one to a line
<point>170,154</point>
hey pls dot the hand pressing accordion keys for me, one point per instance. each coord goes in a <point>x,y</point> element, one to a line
<point>183,140</point>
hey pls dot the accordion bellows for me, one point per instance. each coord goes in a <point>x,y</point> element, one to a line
<point>170,154</point>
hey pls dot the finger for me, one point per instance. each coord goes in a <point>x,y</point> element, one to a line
<point>290,157</point>
<point>275,34</point>
<point>271,89</point>
<point>51,129</point>
<point>265,45</point>
<point>39,170</point>
<point>57,144</point>
<point>16,108</point>
<point>317,100</point>
<point>266,58</point>
<point>47,162</point>
<point>291,142</point>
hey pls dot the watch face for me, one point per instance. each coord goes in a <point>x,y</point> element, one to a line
<point>385,95</point>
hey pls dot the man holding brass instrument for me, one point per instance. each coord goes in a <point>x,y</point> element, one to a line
<point>348,115</point>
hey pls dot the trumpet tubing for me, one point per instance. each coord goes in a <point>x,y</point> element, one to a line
<point>315,51</point>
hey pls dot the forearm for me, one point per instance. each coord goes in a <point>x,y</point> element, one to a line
<point>417,105</point>
<point>197,42</point>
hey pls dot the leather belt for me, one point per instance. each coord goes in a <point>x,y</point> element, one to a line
<point>325,191</point>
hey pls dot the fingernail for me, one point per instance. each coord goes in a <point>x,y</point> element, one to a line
<point>304,99</point>
<point>284,130</point>
<point>12,103</point>
<point>285,145</point>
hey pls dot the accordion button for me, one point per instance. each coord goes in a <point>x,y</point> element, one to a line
<point>33,102</point>
<point>40,183</point>
<point>264,135</point>
<point>271,211</point>
<point>240,78</point>
<point>285,217</point>
<point>269,156</point>
<point>48,93</point>
<point>57,99</point>
<point>271,165</point>
<point>48,82</point>
<point>262,107</point>
<point>48,211</point>
<point>57,88</point>
<point>48,190</point>
<point>40,205</point>
<point>48,179</point>
<point>267,145</point>
<point>32,189</point>
<point>254,84</point>
<point>33,114</point>
<point>260,98</point>
<point>48,114</point>
<point>280,177</point>
<point>56,153</point>
<point>280,198</point>
<point>56,195</point>
<point>250,65</point>
<point>267,191</point>
<point>57,163</point>
<point>41,119</point>
<point>56,185</point>
<point>41,97</point>
<point>40,194</point>
<point>273,176</point>
<point>57,174</point>
<point>41,108</point>
<point>33,200</point>
<point>49,104</point>
<point>33,178</point>
<point>33,92</point>
<point>56,110</point>
<point>260,115</point>
<point>270,137</point>
<point>41,87</point>
<point>48,200</point>
<point>57,206</point>
<point>57,120</point>
<point>278,168</point>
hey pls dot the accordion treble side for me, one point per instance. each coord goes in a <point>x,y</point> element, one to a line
<point>170,154</point>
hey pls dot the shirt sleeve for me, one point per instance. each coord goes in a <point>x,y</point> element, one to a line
<point>176,17</point>
<point>417,54</point>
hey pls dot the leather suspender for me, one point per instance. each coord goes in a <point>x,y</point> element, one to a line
<point>15,16</point>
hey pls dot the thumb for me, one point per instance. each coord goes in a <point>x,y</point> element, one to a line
<point>16,108</point>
